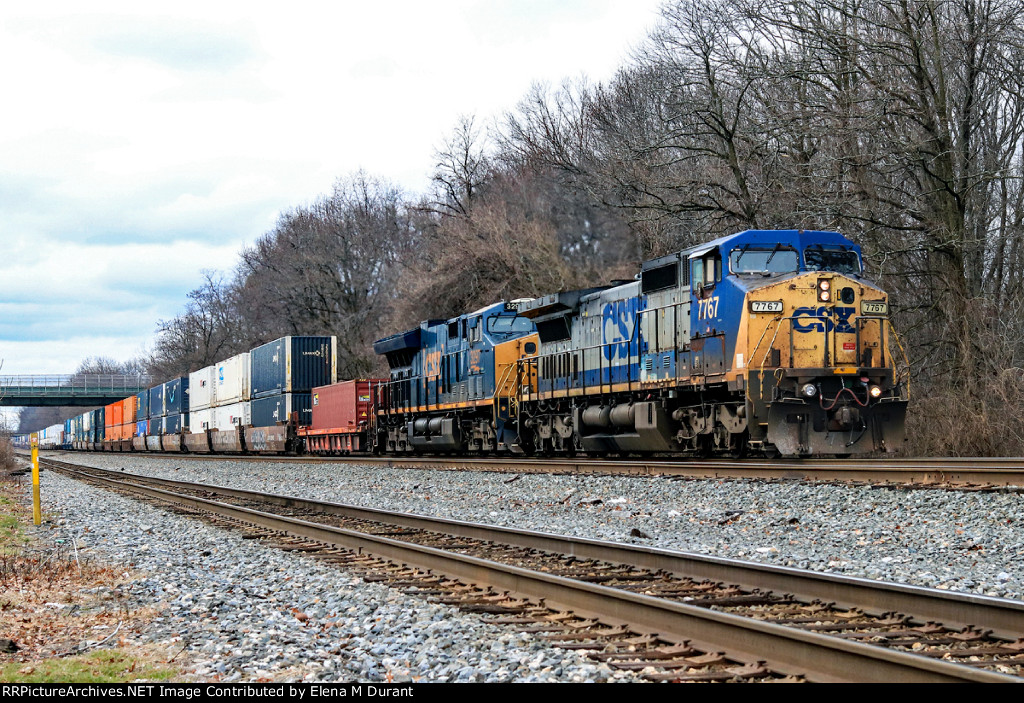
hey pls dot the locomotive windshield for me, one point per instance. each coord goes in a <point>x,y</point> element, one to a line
<point>507,324</point>
<point>764,261</point>
<point>837,260</point>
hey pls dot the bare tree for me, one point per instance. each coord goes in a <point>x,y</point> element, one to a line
<point>330,268</point>
<point>462,168</point>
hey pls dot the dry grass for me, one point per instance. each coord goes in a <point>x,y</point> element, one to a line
<point>66,614</point>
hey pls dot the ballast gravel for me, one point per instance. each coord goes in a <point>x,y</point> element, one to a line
<point>240,611</point>
<point>957,540</point>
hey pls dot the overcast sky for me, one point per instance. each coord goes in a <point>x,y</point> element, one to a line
<point>140,145</point>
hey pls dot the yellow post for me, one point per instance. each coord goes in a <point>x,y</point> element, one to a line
<point>37,515</point>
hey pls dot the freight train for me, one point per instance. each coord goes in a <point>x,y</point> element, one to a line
<point>766,341</point>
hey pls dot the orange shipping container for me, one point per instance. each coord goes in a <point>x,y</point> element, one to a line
<point>112,421</point>
<point>129,406</point>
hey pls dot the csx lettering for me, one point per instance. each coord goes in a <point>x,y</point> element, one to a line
<point>843,325</point>
<point>432,364</point>
<point>618,324</point>
<point>707,309</point>
<point>821,320</point>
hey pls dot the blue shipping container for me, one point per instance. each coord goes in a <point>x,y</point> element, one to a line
<point>99,426</point>
<point>142,411</point>
<point>142,428</point>
<point>275,409</point>
<point>173,424</point>
<point>156,401</point>
<point>176,396</point>
<point>293,365</point>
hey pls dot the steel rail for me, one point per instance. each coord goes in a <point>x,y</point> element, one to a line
<point>784,649</point>
<point>1002,471</point>
<point>1003,616</point>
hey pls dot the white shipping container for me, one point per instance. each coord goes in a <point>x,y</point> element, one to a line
<point>51,437</point>
<point>87,421</point>
<point>200,420</point>
<point>227,417</point>
<point>200,388</point>
<point>231,380</point>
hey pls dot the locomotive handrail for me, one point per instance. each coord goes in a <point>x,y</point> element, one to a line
<point>903,351</point>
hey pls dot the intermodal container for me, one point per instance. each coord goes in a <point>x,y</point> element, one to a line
<point>232,380</point>
<point>173,424</point>
<point>176,396</point>
<point>142,406</point>
<point>199,420</point>
<point>276,409</point>
<point>200,388</point>
<point>343,406</point>
<point>156,401</point>
<point>111,422</point>
<point>293,365</point>
<point>129,406</point>
<point>227,417</point>
<point>96,431</point>
<point>141,428</point>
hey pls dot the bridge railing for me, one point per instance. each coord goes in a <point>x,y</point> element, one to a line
<point>74,384</point>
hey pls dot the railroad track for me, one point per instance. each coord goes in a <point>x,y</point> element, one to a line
<point>670,615</point>
<point>959,473</point>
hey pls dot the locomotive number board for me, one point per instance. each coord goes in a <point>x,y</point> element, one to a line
<point>765,306</point>
<point>873,307</point>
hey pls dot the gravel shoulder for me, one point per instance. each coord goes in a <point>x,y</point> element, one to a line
<point>235,610</point>
<point>963,541</point>
<point>239,611</point>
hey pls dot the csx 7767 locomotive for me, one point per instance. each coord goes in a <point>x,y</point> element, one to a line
<point>766,340</point>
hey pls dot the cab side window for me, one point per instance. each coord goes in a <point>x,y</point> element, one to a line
<point>707,271</point>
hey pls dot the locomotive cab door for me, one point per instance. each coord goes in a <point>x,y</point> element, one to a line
<point>706,348</point>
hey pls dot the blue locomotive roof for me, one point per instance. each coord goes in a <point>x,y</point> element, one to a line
<point>410,339</point>
<point>798,239</point>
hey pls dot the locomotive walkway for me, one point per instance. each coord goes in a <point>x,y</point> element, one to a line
<point>72,390</point>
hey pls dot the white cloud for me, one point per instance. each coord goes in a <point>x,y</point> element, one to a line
<point>142,143</point>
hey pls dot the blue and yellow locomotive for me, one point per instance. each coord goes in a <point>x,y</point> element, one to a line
<point>765,340</point>
<point>454,384</point>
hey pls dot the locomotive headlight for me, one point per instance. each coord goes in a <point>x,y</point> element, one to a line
<point>809,390</point>
<point>875,391</point>
<point>824,290</point>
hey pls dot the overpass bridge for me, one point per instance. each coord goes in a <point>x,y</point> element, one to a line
<point>76,389</point>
